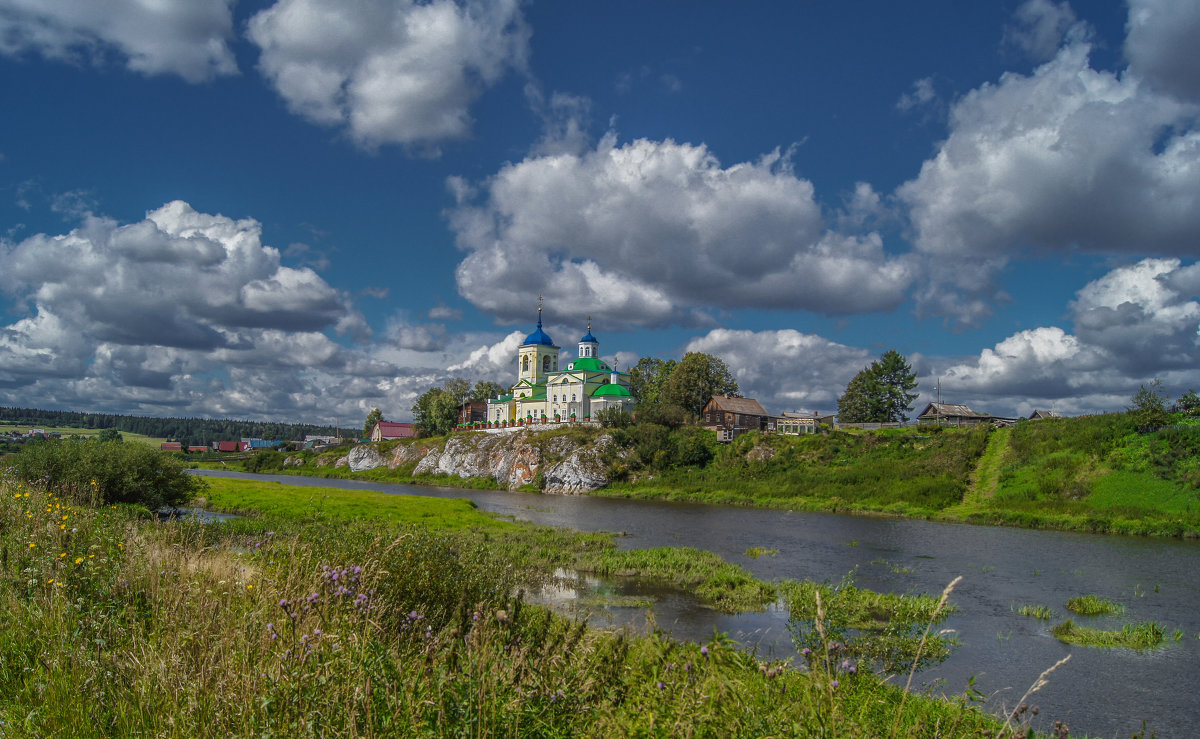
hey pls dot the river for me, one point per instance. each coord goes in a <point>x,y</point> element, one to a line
<point>1099,692</point>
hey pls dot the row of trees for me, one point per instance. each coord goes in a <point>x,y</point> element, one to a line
<point>187,430</point>
<point>436,411</point>
<point>673,392</point>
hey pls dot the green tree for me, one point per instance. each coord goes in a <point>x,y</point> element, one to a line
<point>881,393</point>
<point>1149,405</point>
<point>109,435</point>
<point>436,411</point>
<point>486,389</point>
<point>695,380</point>
<point>614,417</point>
<point>374,417</point>
<point>647,378</point>
<point>859,403</point>
<point>459,389</point>
<point>1189,403</point>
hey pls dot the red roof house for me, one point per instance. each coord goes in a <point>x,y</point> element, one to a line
<point>385,430</point>
<point>172,446</point>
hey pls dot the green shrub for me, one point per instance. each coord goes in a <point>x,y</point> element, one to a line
<point>108,472</point>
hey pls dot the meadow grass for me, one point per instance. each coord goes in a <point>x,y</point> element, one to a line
<point>1092,605</point>
<point>294,626</point>
<point>1145,635</point>
<point>295,502</point>
<point>68,431</point>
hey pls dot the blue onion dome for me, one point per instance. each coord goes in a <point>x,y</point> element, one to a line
<point>539,336</point>
<point>589,339</point>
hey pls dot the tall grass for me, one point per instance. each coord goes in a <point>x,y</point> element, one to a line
<point>1093,605</point>
<point>118,626</point>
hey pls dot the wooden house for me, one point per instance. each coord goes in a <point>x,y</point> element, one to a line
<point>1039,415</point>
<point>472,411</point>
<point>951,414</point>
<point>731,415</point>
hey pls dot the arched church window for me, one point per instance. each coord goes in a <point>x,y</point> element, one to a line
<point>525,364</point>
<point>546,363</point>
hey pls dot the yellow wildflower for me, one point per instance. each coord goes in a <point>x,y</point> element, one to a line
<point>62,555</point>
<point>32,545</point>
<point>78,560</point>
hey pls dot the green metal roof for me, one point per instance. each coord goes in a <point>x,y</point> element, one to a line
<point>589,364</point>
<point>612,390</point>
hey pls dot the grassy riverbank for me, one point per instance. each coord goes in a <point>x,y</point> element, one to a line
<point>304,623</point>
<point>1096,474</point>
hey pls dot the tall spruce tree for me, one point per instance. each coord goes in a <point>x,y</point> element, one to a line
<point>881,393</point>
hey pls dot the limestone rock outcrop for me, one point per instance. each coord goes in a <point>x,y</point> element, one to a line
<point>512,459</point>
<point>364,457</point>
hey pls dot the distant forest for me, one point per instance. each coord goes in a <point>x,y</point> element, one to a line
<point>190,431</point>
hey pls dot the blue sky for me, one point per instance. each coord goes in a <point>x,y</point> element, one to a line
<point>304,209</point>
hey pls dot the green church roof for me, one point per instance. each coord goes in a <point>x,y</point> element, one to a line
<point>612,390</point>
<point>589,364</point>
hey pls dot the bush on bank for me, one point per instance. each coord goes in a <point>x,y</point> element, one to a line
<point>107,472</point>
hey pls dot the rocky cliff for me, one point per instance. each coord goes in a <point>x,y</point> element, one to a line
<point>572,463</point>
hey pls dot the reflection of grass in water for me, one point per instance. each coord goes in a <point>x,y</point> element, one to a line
<point>724,586</point>
<point>1091,605</point>
<point>1036,611</point>
<point>1131,636</point>
<point>895,569</point>
<point>756,552</point>
<point>610,600</point>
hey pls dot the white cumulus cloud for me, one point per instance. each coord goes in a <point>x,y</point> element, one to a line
<point>389,72</point>
<point>785,370</point>
<point>1066,158</point>
<point>189,38</point>
<point>655,232</point>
